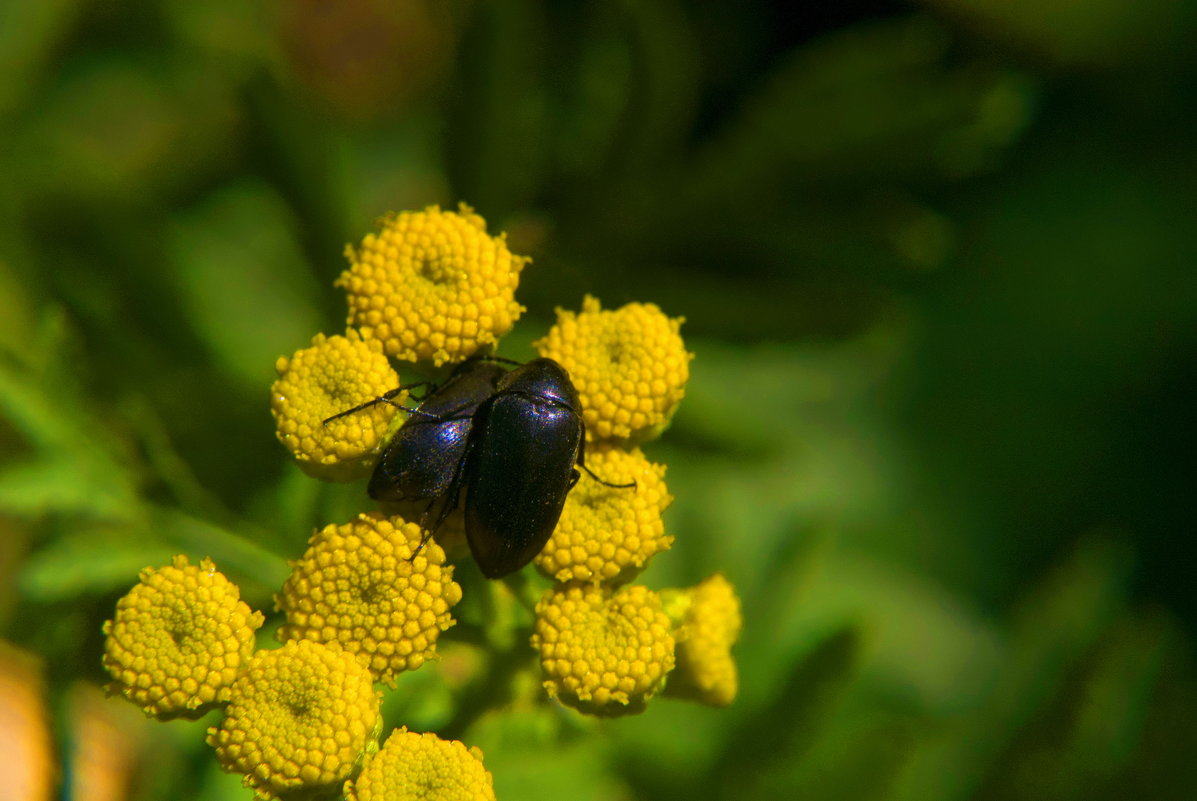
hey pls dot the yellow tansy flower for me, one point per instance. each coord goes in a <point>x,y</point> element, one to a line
<point>433,285</point>
<point>332,376</point>
<point>357,585</point>
<point>422,767</point>
<point>303,715</point>
<point>708,620</point>
<point>179,639</point>
<point>607,533</point>
<point>603,652</point>
<point>630,366</point>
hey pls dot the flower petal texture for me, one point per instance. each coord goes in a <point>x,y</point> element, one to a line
<point>708,618</point>
<point>179,638</point>
<point>603,652</point>
<point>303,715</point>
<point>332,376</point>
<point>422,767</point>
<point>630,366</point>
<point>608,533</point>
<point>358,586</point>
<point>432,285</point>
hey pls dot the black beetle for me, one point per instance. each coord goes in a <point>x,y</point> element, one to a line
<point>519,465</point>
<point>509,439</point>
<point>422,459</point>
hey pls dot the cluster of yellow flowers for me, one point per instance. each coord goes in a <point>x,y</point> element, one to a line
<point>607,646</point>
<point>302,716</point>
<point>370,597</point>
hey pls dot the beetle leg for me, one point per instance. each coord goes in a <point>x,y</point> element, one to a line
<point>427,535</point>
<point>582,464</point>
<point>448,501</point>
<point>425,531</point>
<point>630,485</point>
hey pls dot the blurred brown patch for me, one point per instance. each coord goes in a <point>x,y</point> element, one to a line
<point>366,58</point>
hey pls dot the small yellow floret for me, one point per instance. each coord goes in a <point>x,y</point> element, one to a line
<point>357,585</point>
<point>603,652</point>
<point>433,285</point>
<point>303,715</point>
<point>333,375</point>
<point>422,767</point>
<point>179,638</point>
<point>707,621</point>
<point>607,533</point>
<point>630,366</point>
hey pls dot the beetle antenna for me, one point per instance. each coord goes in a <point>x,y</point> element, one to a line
<point>490,357</point>
<point>384,398</point>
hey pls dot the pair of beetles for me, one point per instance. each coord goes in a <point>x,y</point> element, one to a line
<point>508,438</point>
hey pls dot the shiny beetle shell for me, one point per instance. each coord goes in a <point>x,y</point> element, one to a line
<point>525,441</point>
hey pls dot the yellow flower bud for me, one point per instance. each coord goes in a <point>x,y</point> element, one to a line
<point>358,586</point>
<point>432,285</point>
<point>301,716</point>
<point>707,621</point>
<point>630,366</point>
<point>179,639</point>
<point>607,534</point>
<point>603,652</point>
<point>334,375</point>
<point>422,767</point>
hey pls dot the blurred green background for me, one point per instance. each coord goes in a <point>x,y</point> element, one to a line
<point>936,264</point>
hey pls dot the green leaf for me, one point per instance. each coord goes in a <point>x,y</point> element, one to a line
<point>90,560</point>
<point>240,273</point>
<point>872,102</point>
<point>529,762</point>
<point>70,467</point>
<point>73,485</point>
<point>30,33</point>
<point>1054,628</point>
<point>259,571</point>
<point>1102,33</point>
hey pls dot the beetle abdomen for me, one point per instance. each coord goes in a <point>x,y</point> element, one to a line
<point>519,470</point>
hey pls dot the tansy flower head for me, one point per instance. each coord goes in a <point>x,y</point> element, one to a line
<point>422,767</point>
<point>333,375</point>
<point>608,533</point>
<point>602,652</point>
<point>433,285</point>
<point>300,716</point>
<point>179,638</point>
<point>630,366</point>
<point>358,586</point>
<point>707,617</point>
